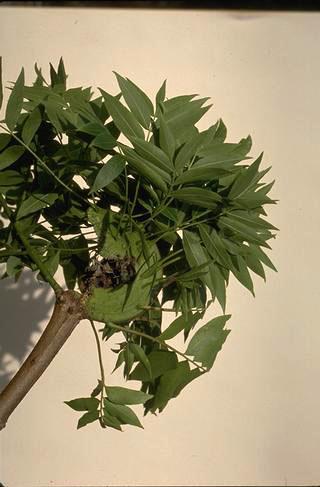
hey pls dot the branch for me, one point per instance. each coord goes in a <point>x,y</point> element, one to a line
<point>103,381</point>
<point>67,313</point>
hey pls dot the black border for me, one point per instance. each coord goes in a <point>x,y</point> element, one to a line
<point>274,5</point>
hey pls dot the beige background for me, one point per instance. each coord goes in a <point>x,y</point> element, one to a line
<point>254,420</point>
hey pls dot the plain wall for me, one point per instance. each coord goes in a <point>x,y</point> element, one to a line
<point>254,419</point>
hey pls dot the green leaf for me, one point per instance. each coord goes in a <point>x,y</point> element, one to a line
<point>251,219</point>
<point>55,113</point>
<point>15,102</point>
<point>111,421</point>
<point>91,128</point>
<point>207,172</point>
<point>62,74</point>
<point>123,413</point>
<point>254,264</point>
<point>180,324</point>
<point>160,361</point>
<point>208,340</point>
<point>1,86</point>
<point>40,79</point>
<point>10,178</point>
<point>161,94</point>
<point>262,256</point>
<point>36,202</point>
<point>176,103</point>
<point>52,261</point>
<point>4,141</point>
<point>220,131</point>
<point>244,181</point>
<point>153,154</point>
<point>197,196</point>
<point>240,271</point>
<point>120,360</point>
<point>78,99</point>
<point>36,93</point>
<point>70,273</point>
<point>214,245</point>
<point>122,117</point>
<point>97,390</point>
<point>222,152</point>
<point>188,151</point>
<point>10,155</point>
<point>128,361</point>
<point>53,76</point>
<point>256,199</point>
<point>83,404</point>
<point>122,395</point>
<point>104,140</point>
<point>184,116</point>
<point>87,418</point>
<point>166,137</point>
<point>138,102</point>
<point>31,126</point>
<point>243,231</point>
<point>171,384</point>
<point>196,255</point>
<point>109,171</point>
<point>14,265</point>
<point>155,175</point>
<point>141,356</point>
<point>195,273</point>
<point>219,285</point>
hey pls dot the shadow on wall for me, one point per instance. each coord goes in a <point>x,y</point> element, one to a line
<point>23,306</point>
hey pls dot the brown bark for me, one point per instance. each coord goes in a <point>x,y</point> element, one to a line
<point>67,313</point>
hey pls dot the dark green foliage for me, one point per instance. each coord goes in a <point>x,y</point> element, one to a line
<point>185,206</point>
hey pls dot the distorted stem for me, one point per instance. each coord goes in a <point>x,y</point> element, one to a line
<point>157,340</point>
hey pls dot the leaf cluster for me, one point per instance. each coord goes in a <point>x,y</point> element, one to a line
<point>91,176</point>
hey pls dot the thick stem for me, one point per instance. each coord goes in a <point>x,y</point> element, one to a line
<point>67,313</point>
